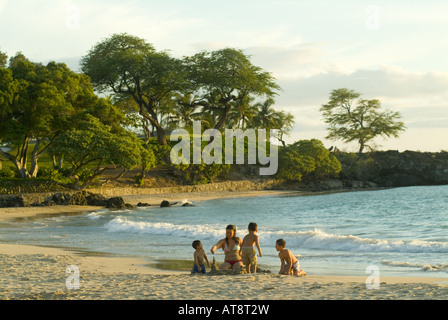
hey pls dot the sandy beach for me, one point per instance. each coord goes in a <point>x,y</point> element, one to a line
<point>38,273</point>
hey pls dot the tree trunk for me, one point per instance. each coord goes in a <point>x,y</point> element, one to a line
<point>34,168</point>
<point>57,164</point>
<point>223,118</point>
<point>24,153</point>
<point>147,113</point>
<point>361,146</point>
<point>17,163</point>
<point>146,130</point>
<point>34,159</point>
<point>22,170</point>
<point>161,136</point>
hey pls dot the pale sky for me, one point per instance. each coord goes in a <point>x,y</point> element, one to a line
<point>395,51</point>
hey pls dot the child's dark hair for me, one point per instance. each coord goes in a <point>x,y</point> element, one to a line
<point>252,226</point>
<point>281,242</point>
<point>196,243</point>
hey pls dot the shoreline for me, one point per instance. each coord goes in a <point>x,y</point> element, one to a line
<point>133,199</point>
<point>134,196</point>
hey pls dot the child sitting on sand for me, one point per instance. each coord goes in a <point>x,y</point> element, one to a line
<point>248,253</point>
<point>199,256</point>
<point>289,263</point>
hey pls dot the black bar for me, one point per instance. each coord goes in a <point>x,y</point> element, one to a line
<point>221,309</point>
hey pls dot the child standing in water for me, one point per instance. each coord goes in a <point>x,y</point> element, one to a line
<point>199,257</point>
<point>248,253</point>
<point>289,263</point>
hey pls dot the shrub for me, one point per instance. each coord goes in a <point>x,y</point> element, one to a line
<point>356,167</point>
<point>8,173</point>
<point>203,173</point>
<point>307,160</point>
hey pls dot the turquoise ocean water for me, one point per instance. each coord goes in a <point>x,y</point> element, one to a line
<point>402,231</point>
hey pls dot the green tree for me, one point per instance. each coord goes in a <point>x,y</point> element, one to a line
<point>307,160</point>
<point>93,144</point>
<point>265,117</point>
<point>268,118</point>
<point>242,114</point>
<point>3,59</point>
<point>229,76</point>
<point>352,119</point>
<point>182,114</point>
<point>9,88</point>
<point>128,66</point>
<point>44,103</point>
<point>284,122</point>
<point>208,109</point>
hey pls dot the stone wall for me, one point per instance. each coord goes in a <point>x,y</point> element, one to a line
<point>244,185</point>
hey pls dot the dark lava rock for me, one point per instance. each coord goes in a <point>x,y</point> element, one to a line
<point>165,204</point>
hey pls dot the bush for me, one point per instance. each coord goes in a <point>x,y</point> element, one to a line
<point>356,167</point>
<point>49,173</point>
<point>307,160</point>
<point>8,173</point>
<point>139,179</point>
<point>203,173</point>
<point>160,152</point>
<point>21,185</point>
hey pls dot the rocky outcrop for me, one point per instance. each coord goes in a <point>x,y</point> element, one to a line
<point>165,204</point>
<point>396,169</point>
<point>12,201</point>
<point>381,169</point>
<point>82,198</point>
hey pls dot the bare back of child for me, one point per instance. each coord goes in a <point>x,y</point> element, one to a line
<point>248,253</point>
<point>289,264</point>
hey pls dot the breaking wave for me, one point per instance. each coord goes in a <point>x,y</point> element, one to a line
<point>312,239</point>
<point>421,266</point>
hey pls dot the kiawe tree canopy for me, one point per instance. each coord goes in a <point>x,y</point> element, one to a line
<point>229,76</point>
<point>130,67</point>
<point>38,105</point>
<point>93,143</point>
<point>352,119</point>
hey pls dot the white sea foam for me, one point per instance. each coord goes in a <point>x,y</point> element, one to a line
<point>312,239</point>
<point>122,224</point>
<point>421,266</point>
<point>97,214</point>
<point>320,240</point>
